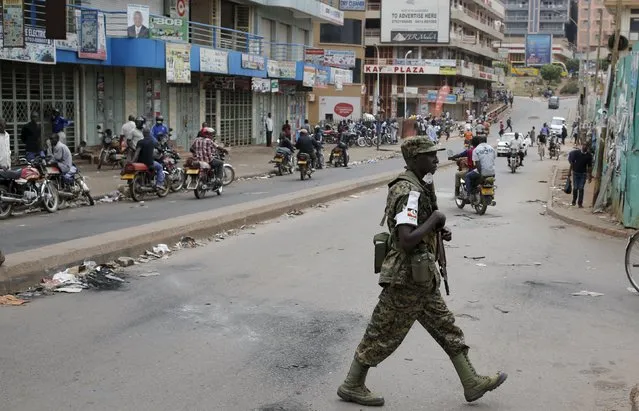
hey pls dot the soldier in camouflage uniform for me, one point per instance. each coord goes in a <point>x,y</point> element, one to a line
<point>410,280</point>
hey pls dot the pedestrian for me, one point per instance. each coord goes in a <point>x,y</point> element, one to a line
<point>532,135</point>
<point>127,128</point>
<point>509,123</point>
<point>5,146</point>
<point>580,169</point>
<point>410,282</point>
<point>31,137</point>
<point>564,134</point>
<point>268,125</point>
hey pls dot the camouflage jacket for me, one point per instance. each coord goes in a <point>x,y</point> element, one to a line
<point>412,204</point>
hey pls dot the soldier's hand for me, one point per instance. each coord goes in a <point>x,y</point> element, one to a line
<point>447,235</point>
<point>439,219</point>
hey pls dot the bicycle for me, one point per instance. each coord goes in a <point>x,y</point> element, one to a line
<point>632,261</point>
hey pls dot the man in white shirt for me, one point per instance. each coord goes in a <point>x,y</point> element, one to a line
<point>127,128</point>
<point>269,130</point>
<point>516,146</point>
<point>5,146</point>
<point>484,157</point>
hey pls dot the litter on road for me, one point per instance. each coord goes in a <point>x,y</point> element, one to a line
<point>584,293</point>
<point>12,300</point>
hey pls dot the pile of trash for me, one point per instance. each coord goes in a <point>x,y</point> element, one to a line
<point>82,277</point>
<point>112,197</point>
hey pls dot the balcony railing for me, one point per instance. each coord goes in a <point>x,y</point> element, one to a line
<point>202,34</point>
<point>481,23</point>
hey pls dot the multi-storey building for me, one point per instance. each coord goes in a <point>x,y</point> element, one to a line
<point>593,16</point>
<point>225,62</point>
<point>420,50</point>
<point>536,16</point>
<point>628,21</point>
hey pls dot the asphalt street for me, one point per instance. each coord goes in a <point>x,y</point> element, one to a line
<point>269,319</point>
<point>38,230</point>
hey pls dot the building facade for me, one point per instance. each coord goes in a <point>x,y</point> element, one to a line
<point>593,16</point>
<point>442,62</point>
<point>224,62</point>
<point>536,16</point>
<point>628,21</point>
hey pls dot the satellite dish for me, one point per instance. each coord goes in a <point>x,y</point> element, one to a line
<point>623,43</point>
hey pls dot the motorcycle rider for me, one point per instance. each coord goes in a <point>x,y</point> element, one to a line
<point>484,157</point>
<point>286,147</point>
<point>204,149</point>
<point>516,144</point>
<point>342,142</point>
<point>5,146</point>
<point>466,166</point>
<point>307,144</point>
<point>145,153</point>
<point>159,129</point>
<point>62,156</point>
<point>135,137</point>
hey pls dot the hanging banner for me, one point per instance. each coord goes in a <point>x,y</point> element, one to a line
<point>13,23</point>
<point>214,61</point>
<point>314,56</point>
<point>89,31</point>
<point>288,69</point>
<point>321,78</point>
<point>309,76</point>
<point>273,68</point>
<point>168,29</point>
<point>339,58</point>
<point>37,48</point>
<point>253,62</point>
<point>101,52</point>
<point>178,63</point>
<point>275,86</point>
<point>260,85</point>
<point>137,17</point>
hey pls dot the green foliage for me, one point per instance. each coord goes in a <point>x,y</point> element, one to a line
<point>604,63</point>
<point>572,65</point>
<point>571,87</point>
<point>550,72</point>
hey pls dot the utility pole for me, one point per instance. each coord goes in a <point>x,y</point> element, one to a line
<point>598,51</point>
<point>604,130</point>
<point>587,64</point>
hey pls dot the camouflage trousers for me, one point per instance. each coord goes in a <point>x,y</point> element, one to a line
<point>396,312</point>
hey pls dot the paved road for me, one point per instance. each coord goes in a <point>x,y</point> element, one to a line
<point>217,330</point>
<point>33,231</point>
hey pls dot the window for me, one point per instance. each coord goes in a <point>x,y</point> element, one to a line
<point>357,72</point>
<point>350,33</point>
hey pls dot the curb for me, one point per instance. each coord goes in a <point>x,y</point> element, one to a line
<point>550,210</point>
<point>26,268</point>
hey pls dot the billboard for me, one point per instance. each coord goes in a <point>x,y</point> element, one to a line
<point>415,21</point>
<point>538,49</point>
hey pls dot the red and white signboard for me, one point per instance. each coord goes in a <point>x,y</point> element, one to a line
<point>371,68</point>
<point>182,8</point>
<point>340,107</point>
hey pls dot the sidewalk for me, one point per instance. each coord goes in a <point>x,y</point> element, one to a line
<point>248,161</point>
<point>559,206</point>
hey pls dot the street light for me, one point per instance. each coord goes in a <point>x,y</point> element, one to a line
<point>375,107</point>
<point>405,78</point>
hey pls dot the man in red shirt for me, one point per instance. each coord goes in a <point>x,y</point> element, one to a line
<point>204,149</point>
<point>464,168</point>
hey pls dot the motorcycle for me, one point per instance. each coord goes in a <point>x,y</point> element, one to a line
<point>200,178</point>
<point>338,156</point>
<point>28,188</point>
<point>141,180</point>
<point>303,165</point>
<point>70,187</point>
<point>110,153</point>
<point>283,161</point>
<point>482,196</point>
<point>515,160</point>
<point>229,171</point>
<point>553,150</point>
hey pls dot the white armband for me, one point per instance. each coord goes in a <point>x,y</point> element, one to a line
<point>408,215</point>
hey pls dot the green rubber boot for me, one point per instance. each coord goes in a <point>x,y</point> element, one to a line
<point>475,386</point>
<point>354,389</point>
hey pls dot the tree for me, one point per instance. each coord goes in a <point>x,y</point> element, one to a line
<point>550,72</point>
<point>572,65</point>
<point>604,63</point>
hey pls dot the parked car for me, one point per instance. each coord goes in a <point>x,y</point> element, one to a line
<point>553,102</point>
<point>555,125</point>
<point>503,144</point>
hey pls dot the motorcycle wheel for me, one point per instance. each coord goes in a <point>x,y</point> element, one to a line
<point>361,141</point>
<point>135,188</point>
<point>369,142</point>
<point>302,173</point>
<point>482,205</point>
<point>5,208</point>
<point>229,175</point>
<point>459,203</point>
<point>89,199</point>
<point>177,180</point>
<point>513,167</point>
<point>52,201</point>
<point>165,190</point>
<point>199,192</point>
<point>102,158</point>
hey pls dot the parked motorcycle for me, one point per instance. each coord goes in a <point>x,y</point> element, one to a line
<point>175,174</point>
<point>141,181</point>
<point>282,163</point>
<point>70,187</point>
<point>338,157</point>
<point>110,153</point>
<point>304,166</point>
<point>200,178</point>
<point>27,188</point>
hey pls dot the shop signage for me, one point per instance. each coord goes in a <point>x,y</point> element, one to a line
<point>214,61</point>
<point>448,71</point>
<point>416,21</point>
<point>426,62</point>
<point>37,48</point>
<point>273,68</point>
<point>321,78</point>
<point>168,29</point>
<point>178,63</point>
<point>260,85</point>
<point>314,56</point>
<point>13,23</point>
<point>352,5</point>
<point>331,14</point>
<point>339,58</point>
<point>343,109</point>
<point>288,69</point>
<point>87,31</point>
<point>309,76</point>
<point>253,62</point>
<point>371,68</point>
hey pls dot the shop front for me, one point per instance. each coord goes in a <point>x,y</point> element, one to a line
<point>39,88</point>
<point>229,108</point>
